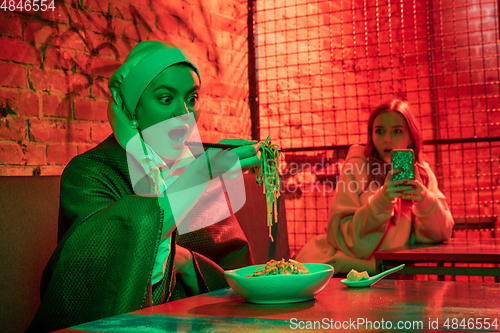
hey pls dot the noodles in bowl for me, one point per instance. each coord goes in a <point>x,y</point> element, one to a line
<point>283,267</point>
<point>279,287</point>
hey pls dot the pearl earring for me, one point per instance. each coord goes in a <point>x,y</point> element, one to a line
<point>134,124</point>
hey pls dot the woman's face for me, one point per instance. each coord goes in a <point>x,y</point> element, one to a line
<point>390,131</point>
<point>167,110</point>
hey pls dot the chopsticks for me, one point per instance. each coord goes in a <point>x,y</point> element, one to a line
<point>211,145</point>
<point>216,145</point>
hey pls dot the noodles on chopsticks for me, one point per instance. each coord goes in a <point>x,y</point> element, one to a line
<point>267,174</point>
<point>281,267</point>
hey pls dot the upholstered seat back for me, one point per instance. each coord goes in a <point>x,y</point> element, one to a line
<point>28,236</point>
<point>253,220</point>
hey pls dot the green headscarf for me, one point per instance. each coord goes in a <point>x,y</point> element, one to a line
<point>144,62</point>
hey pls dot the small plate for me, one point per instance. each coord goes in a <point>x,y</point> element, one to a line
<point>372,280</point>
<point>278,289</point>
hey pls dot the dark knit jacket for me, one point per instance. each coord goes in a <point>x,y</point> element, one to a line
<point>108,239</point>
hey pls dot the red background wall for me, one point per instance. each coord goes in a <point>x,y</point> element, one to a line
<point>54,67</point>
<point>323,65</point>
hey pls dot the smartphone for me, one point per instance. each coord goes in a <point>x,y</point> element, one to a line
<point>403,159</point>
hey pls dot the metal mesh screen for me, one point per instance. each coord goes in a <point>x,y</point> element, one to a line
<point>323,65</point>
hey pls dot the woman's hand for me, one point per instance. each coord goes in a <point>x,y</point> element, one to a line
<point>408,189</point>
<point>248,153</point>
<point>418,191</point>
<point>185,270</point>
<point>394,188</point>
<point>217,162</point>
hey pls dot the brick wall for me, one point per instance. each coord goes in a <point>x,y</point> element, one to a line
<point>54,67</point>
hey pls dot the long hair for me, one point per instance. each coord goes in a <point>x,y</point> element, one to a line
<point>371,154</point>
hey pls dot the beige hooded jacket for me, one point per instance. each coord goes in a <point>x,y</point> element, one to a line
<point>362,220</point>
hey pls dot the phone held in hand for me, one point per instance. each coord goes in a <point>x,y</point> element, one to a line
<point>403,159</point>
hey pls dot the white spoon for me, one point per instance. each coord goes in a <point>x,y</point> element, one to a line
<point>372,280</point>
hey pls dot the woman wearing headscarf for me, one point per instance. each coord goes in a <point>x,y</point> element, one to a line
<point>123,203</point>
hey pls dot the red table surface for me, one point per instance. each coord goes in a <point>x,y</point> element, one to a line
<point>388,300</point>
<point>453,250</point>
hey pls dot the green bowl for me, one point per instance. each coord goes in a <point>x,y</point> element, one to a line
<point>277,289</point>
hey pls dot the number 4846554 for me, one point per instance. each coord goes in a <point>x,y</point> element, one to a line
<point>471,323</point>
<point>28,5</point>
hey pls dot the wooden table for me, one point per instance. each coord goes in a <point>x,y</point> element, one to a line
<point>418,305</point>
<point>456,250</point>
